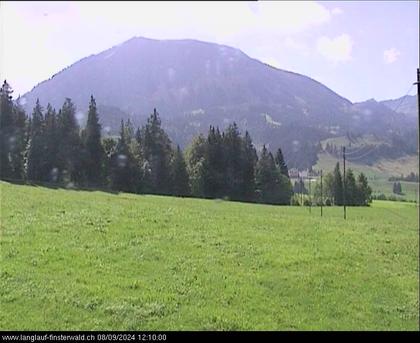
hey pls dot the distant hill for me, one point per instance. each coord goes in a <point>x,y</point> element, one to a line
<point>406,105</point>
<point>195,84</point>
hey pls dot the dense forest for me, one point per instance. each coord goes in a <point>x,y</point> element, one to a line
<point>50,147</point>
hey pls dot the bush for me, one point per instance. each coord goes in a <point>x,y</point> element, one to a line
<point>381,196</point>
<point>294,201</point>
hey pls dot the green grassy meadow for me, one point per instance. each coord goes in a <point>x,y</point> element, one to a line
<point>80,260</point>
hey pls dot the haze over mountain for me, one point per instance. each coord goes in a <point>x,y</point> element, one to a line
<point>406,104</point>
<point>195,84</point>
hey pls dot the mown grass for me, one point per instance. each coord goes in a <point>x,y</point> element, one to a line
<point>78,260</point>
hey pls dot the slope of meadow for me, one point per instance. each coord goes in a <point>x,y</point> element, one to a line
<point>379,173</point>
<point>81,260</point>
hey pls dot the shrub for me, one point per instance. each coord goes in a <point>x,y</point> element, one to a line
<point>381,196</point>
<point>294,201</point>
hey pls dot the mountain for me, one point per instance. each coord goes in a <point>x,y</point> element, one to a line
<point>372,113</point>
<point>195,84</point>
<point>406,104</point>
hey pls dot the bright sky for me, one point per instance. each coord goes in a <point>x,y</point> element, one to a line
<point>361,50</point>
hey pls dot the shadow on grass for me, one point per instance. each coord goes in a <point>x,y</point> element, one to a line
<point>62,185</point>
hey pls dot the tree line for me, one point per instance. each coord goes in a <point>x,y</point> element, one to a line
<point>336,189</point>
<point>49,146</point>
<point>412,177</point>
<point>396,188</point>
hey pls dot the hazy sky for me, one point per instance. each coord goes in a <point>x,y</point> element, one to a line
<point>361,50</point>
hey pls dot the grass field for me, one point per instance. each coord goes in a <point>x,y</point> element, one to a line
<point>78,260</point>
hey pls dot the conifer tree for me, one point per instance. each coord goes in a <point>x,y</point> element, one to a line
<point>71,148</point>
<point>394,188</point>
<point>36,149</point>
<point>267,178</point>
<point>180,178</point>
<point>232,155</point>
<point>52,141</point>
<point>214,166</point>
<point>249,162</point>
<point>285,190</point>
<point>124,172</point>
<point>129,130</point>
<point>18,142</point>
<point>6,127</point>
<point>337,186</point>
<point>93,146</point>
<point>138,136</point>
<point>281,163</point>
<point>157,154</point>
<point>399,189</point>
<point>364,192</point>
<point>351,189</point>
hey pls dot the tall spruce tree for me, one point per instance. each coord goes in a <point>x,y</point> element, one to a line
<point>399,188</point>
<point>351,189</point>
<point>6,128</point>
<point>52,143</point>
<point>267,178</point>
<point>364,192</point>
<point>180,178</point>
<point>138,136</point>
<point>93,147</point>
<point>35,164</point>
<point>281,163</point>
<point>214,166</point>
<point>285,190</point>
<point>249,161</point>
<point>141,165</point>
<point>124,172</point>
<point>18,142</point>
<point>71,148</point>
<point>129,130</point>
<point>157,154</point>
<point>233,172</point>
<point>337,186</point>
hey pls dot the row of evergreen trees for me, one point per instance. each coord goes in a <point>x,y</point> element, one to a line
<point>226,164</point>
<point>357,191</point>
<point>50,147</point>
<point>412,177</point>
<point>396,188</point>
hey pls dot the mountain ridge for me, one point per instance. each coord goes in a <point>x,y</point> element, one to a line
<point>215,85</point>
<point>406,104</point>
